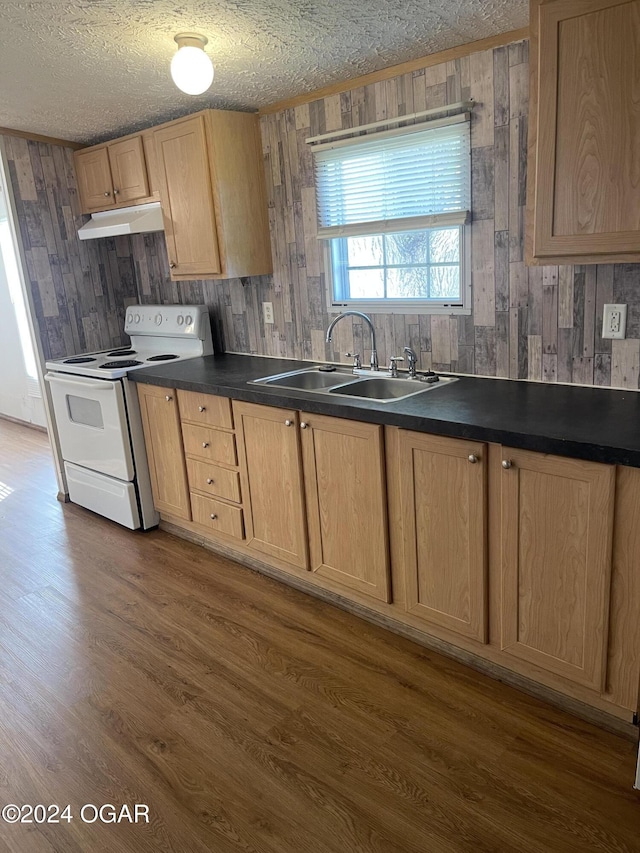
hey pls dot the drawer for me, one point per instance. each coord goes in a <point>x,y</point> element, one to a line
<point>205,477</point>
<point>210,444</point>
<point>217,516</point>
<point>205,409</point>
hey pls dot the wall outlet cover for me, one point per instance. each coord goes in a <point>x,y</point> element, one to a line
<point>267,312</point>
<point>614,321</point>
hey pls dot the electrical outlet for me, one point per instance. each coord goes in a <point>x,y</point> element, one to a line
<point>614,321</point>
<point>267,312</point>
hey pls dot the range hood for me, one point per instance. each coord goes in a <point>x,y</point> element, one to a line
<point>127,220</point>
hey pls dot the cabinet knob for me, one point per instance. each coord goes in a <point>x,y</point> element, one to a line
<point>172,265</point>
<point>506,463</point>
<point>209,481</point>
<point>472,458</point>
<point>205,444</point>
<point>107,194</point>
<point>168,398</point>
<point>288,422</point>
<point>213,516</point>
<point>115,192</point>
<point>303,425</point>
<point>202,408</point>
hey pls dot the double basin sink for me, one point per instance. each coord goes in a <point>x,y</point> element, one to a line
<point>375,385</point>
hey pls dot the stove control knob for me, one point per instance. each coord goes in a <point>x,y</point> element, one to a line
<point>129,318</point>
<point>188,319</point>
<point>180,319</point>
<point>137,318</point>
<point>158,319</point>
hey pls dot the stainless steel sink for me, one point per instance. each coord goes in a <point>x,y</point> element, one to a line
<point>311,379</point>
<point>386,389</point>
<point>367,386</point>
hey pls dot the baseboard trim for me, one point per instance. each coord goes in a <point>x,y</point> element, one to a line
<point>37,427</point>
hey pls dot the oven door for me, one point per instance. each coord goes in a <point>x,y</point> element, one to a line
<point>91,418</point>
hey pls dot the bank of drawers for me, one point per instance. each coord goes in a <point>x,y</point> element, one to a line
<point>212,463</point>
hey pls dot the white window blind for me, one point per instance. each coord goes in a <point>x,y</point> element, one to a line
<point>410,178</point>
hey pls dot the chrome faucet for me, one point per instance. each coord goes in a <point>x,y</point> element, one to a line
<point>332,324</point>
<point>412,359</point>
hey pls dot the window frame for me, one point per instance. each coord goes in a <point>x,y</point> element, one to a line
<point>403,306</point>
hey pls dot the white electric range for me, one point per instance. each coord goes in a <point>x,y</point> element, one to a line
<point>97,413</point>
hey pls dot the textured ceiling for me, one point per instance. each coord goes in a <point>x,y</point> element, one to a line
<point>89,69</point>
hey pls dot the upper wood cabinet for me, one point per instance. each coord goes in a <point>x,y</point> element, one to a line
<point>113,175</point>
<point>556,555</point>
<point>187,199</point>
<point>165,452</point>
<point>128,170</point>
<point>94,179</point>
<point>443,566</point>
<point>212,188</point>
<point>584,132</point>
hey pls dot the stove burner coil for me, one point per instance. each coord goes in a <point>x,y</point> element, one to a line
<point>122,352</point>
<point>80,359</point>
<point>166,357</point>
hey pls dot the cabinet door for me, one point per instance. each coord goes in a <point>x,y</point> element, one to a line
<point>271,475</point>
<point>443,494</point>
<point>556,534</point>
<point>187,199</point>
<point>346,503</point>
<point>163,439</point>
<point>587,197</point>
<point>128,170</point>
<point>94,179</point>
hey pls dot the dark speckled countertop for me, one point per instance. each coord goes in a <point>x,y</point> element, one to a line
<point>585,423</point>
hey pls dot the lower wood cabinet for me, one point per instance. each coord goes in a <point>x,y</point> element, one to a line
<point>444,548</point>
<point>526,560</point>
<point>163,439</point>
<point>271,475</point>
<point>344,478</point>
<point>314,491</point>
<point>555,534</point>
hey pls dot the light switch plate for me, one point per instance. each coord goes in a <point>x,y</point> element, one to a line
<point>614,322</point>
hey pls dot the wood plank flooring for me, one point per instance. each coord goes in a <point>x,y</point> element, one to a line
<point>137,668</point>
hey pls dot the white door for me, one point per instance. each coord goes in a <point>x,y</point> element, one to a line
<point>91,418</point>
<point>20,393</point>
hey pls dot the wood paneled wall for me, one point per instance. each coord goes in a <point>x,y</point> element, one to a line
<point>539,323</point>
<point>80,289</point>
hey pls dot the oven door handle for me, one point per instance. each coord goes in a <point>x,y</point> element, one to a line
<point>100,385</point>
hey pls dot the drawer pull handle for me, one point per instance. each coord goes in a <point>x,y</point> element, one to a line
<point>168,398</point>
<point>209,481</point>
<point>202,408</point>
<point>213,516</point>
<point>472,458</point>
<point>205,444</point>
<point>506,463</point>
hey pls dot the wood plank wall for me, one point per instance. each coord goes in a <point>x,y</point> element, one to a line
<point>80,289</point>
<point>539,323</point>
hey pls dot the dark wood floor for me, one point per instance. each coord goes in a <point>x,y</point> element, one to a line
<point>136,668</point>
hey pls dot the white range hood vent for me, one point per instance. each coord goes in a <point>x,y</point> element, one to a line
<point>126,220</point>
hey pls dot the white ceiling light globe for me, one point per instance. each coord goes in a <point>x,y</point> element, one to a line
<point>191,68</point>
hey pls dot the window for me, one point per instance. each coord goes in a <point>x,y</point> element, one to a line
<point>393,210</point>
